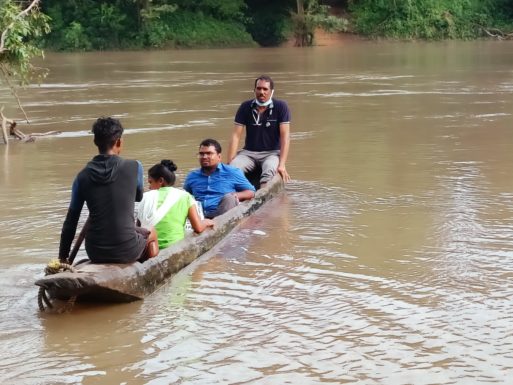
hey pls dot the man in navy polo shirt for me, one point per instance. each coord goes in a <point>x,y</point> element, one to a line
<point>217,186</point>
<point>267,123</point>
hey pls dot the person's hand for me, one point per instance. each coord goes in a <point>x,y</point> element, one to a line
<point>284,174</point>
<point>208,223</point>
<point>143,231</point>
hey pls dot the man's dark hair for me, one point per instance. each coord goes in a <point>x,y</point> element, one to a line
<point>265,78</point>
<point>211,142</point>
<point>165,170</point>
<point>106,131</point>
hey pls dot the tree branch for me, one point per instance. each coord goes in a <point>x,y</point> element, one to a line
<point>18,134</point>
<point>496,33</point>
<point>5,73</point>
<point>4,126</point>
<point>23,13</point>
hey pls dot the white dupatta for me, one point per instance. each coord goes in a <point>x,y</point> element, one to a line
<point>148,213</point>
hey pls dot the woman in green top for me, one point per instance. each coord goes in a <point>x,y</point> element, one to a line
<point>166,208</point>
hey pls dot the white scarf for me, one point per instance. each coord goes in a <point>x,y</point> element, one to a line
<point>149,214</point>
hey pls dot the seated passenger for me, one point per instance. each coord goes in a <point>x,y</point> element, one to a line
<point>166,208</point>
<point>110,185</point>
<point>266,122</point>
<point>219,187</point>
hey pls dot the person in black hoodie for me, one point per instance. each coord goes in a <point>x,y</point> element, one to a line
<point>110,185</point>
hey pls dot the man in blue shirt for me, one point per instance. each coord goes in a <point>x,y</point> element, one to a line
<point>267,124</point>
<point>217,186</point>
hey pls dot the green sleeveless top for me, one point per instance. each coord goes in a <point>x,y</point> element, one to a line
<point>171,229</point>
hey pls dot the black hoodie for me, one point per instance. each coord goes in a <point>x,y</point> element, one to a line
<point>108,184</point>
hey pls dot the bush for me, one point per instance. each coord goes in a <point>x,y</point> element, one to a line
<point>74,38</point>
<point>269,22</point>
<point>106,25</point>
<point>187,29</point>
<point>426,19</point>
<point>88,24</point>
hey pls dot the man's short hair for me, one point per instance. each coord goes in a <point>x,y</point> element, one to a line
<point>211,142</point>
<point>265,78</point>
<point>106,132</point>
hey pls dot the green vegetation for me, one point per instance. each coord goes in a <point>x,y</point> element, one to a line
<point>120,24</point>
<point>113,24</point>
<point>21,24</point>
<point>188,29</point>
<point>269,21</point>
<point>91,24</point>
<point>431,19</point>
<point>134,24</point>
<point>311,15</point>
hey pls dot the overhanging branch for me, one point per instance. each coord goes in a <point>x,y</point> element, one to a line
<point>20,15</point>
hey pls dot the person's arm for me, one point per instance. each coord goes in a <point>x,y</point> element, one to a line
<point>197,224</point>
<point>244,190</point>
<point>245,195</point>
<point>233,146</point>
<point>284,150</point>
<point>140,182</point>
<point>69,228</point>
<point>146,208</point>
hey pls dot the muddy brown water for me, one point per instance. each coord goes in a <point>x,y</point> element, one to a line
<point>389,260</point>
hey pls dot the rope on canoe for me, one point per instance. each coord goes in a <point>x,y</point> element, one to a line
<point>54,266</point>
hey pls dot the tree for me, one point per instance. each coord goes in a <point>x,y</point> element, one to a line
<point>432,19</point>
<point>21,24</point>
<point>310,15</point>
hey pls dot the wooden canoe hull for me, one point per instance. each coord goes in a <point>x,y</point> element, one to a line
<point>130,282</point>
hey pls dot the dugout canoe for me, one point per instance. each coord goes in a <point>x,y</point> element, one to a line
<point>131,282</point>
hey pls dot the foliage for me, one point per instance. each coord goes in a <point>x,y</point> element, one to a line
<point>311,15</point>
<point>92,24</point>
<point>75,38</point>
<point>187,29</point>
<point>118,24</point>
<point>268,21</point>
<point>109,23</point>
<point>428,19</point>
<point>20,35</point>
<point>112,24</point>
<point>155,29</point>
<point>229,10</point>
<point>201,23</point>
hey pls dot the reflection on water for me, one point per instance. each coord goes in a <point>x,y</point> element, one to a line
<point>387,261</point>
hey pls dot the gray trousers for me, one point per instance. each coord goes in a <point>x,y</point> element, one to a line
<point>229,201</point>
<point>247,161</point>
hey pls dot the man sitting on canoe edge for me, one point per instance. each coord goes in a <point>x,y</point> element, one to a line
<point>267,125</point>
<point>217,186</point>
<point>110,185</point>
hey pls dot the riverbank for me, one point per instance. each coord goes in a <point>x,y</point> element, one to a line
<point>323,38</point>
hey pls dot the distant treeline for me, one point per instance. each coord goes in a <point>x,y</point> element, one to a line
<point>132,24</point>
<point>432,19</point>
<point>128,24</point>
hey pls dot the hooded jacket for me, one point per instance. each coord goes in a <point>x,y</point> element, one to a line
<point>109,185</point>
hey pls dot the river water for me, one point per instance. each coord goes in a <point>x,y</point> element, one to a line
<point>389,259</point>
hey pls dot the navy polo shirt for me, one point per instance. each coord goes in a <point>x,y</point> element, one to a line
<point>262,131</point>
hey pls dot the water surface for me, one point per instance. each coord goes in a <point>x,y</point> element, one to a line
<point>388,260</point>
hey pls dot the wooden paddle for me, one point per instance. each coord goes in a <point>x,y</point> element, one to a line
<point>78,242</point>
